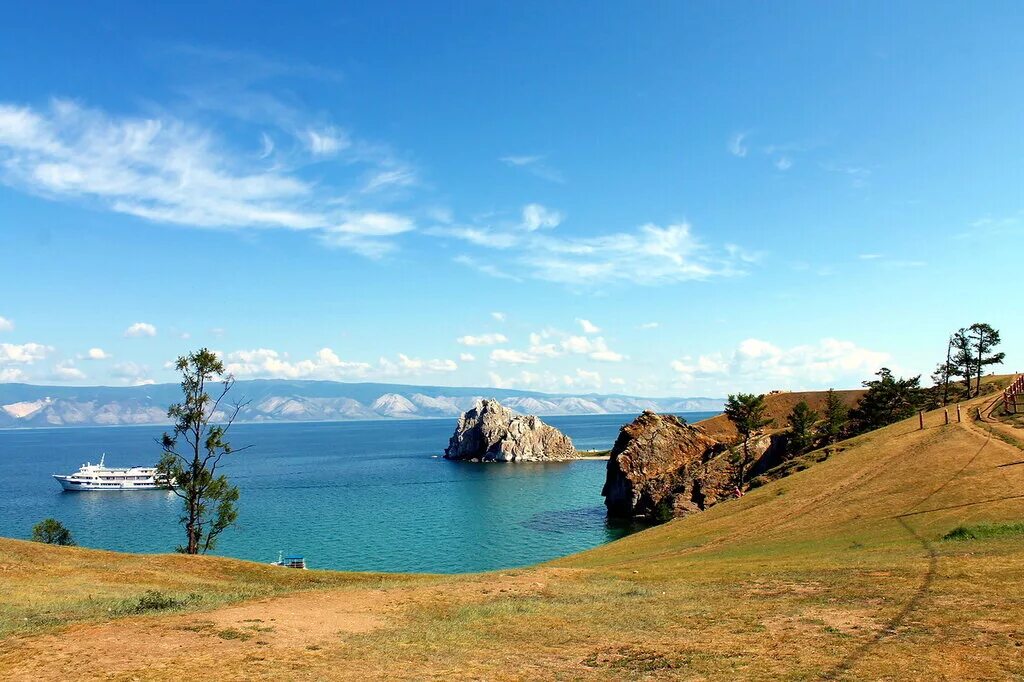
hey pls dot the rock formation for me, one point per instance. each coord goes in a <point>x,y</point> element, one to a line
<point>662,466</point>
<point>491,432</point>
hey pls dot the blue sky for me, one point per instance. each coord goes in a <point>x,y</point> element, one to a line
<point>648,198</point>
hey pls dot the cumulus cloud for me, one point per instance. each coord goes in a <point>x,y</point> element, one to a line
<point>6,325</point>
<point>162,169</point>
<point>759,365</point>
<point>547,380</point>
<point>24,353</point>
<point>482,340</point>
<point>467,357</point>
<point>140,329</point>
<point>97,354</point>
<point>500,317</point>
<point>66,371</point>
<point>267,363</point>
<point>783,163</point>
<point>552,343</point>
<point>512,357</point>
<point>588,326</point>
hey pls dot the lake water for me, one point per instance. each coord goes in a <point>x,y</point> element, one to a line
<point>350,495</point>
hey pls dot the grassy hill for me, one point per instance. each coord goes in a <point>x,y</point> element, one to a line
<point>779,407</point>
<point>840,571</point>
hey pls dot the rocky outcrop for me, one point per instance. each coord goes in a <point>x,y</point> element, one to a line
<point>491,432</point>
<point>661,466</point>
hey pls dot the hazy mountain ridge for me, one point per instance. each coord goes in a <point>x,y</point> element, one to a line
<point>25,405</point>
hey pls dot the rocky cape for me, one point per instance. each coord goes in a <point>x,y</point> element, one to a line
<point>490,432</point>
<point>662,467</point>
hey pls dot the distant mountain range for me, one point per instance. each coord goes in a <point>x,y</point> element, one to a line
<point>25,405</point>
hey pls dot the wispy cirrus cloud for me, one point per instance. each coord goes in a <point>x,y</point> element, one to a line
<point>162,169</point>
<point>649,255</point>
<point>534,164</point>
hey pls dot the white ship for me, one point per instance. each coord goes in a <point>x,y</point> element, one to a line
<point>99,477</point>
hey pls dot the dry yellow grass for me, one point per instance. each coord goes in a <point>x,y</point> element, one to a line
<point>837,572</point>
<point>779,407</point>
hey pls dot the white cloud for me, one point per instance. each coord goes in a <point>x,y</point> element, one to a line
<point>25,353</point>
<point>367,233</point>
<point>500,317</point>
<point>650,325</point>
<point>467,357</point>
<point>131,373</point>
<point>512,357</point>
<point>165,170</point>
<point>783,163</point>
<point>97,354</point>
<point>326,141</point>
<point>326,364</point>
<point>759,365</point>
<point>6,325</point>
<point>593,347</point>
<point>617,381</point>
<point>588,326</point>
<point>66,371</point>
<point>583,379</point>
<point>540,346</point>
<point>536,217</point>
<point>736,144</point>
<point>482,340</point>
<point>140,329</point>
<point>12,375</point>
<point>535,165</point>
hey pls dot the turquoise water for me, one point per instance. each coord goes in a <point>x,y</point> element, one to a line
<point>351,495</point>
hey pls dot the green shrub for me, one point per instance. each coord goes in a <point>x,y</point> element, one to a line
<point>52,532</point>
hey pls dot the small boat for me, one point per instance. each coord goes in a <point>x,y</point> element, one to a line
<point>289,561</point>
<point>99,477</point>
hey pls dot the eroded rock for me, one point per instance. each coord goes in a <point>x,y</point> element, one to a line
<point>661,466</point>
<point>490,432</point>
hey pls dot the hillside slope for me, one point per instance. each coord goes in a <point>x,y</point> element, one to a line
<point>836,572</point>
<point>779,407</point>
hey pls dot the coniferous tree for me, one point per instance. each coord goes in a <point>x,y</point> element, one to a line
<point>801,428</point>
<point>747,413</point>
<point>836,417</point>
<point>192,453</point>
<point>888,400</point>
<point>984,338</point>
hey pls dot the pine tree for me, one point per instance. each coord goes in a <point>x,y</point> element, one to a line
<point>801,428</point>
<point>984,338</point>
<point>836,417</point>
<point>747,412</point>
<point>888,400</point>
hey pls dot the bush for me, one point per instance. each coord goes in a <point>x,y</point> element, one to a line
<point>154,600</point>
<point>52,532</point>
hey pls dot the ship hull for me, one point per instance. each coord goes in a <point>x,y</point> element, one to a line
<point>73,486</point>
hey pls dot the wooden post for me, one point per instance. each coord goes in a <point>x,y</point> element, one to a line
<point>920,418</point>
<point>958,413</point>
<point>946,413</point>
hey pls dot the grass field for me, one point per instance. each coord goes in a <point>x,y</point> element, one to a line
<point>850,569</point>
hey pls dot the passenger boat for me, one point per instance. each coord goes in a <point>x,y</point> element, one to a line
<point>100,477</point>
<point>289,561</point>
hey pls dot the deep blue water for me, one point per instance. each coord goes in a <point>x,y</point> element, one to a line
<point>350,495</point>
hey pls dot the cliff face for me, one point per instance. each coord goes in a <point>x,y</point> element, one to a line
<point>661,465</point>
<point>491,432</point>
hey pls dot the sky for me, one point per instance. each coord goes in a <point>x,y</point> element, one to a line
<point>657,199</point>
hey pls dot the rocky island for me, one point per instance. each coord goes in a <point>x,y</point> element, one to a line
<point>490,432</point>
<point>660,467</point>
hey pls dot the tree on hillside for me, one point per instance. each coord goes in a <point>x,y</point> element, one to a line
<point>836,416</point>
<point>984,338</point>
<point>747,413</point>
<point>801,428</point>
<point>943,372</point>
<point>888,400</point>
<point>193,452</point>
<point>962,363</point>
<point>52,532</point>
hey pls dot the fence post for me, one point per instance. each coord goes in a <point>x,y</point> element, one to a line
<point>958,413</point>
<point>946,413</point>
<point>920,419</point>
